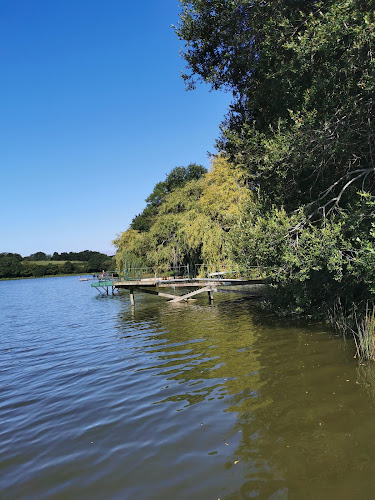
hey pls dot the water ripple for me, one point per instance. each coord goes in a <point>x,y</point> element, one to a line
<point>100,401</point>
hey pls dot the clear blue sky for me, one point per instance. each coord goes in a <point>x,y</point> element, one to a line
<point>93,113</point>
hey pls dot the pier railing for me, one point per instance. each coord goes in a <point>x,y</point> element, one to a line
<point>202,271</point>
<point>141,273</point>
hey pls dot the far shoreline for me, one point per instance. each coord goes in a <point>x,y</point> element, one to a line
<point>49,276</point>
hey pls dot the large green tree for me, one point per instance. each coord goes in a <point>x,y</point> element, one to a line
<point>177,178</point>
<point>192,223</point>
<point>10,265</point>
<point>302,76</point>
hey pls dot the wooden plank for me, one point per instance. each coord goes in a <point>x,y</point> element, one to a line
<point>126,284</point>
<point>181,285</point>
<point>210,283</point>
<point>154,292</point>
<point>192,283</point>
<point>191,294</point>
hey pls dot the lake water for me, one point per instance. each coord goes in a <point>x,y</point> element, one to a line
<point>175,401</point>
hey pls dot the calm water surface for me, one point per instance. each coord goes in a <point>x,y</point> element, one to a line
<point>175,401</point>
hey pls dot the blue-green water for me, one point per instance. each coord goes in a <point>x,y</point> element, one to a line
<point>175,401</point>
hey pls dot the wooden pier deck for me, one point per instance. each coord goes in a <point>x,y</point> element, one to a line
<point>156,286</point>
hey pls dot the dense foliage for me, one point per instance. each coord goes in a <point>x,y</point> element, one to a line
<point>302,74</point>
<point>293,185</point>
<point>190,224</point>
<point>177,178</point>
<point>301,128</point>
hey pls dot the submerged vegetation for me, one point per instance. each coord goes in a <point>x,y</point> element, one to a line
<point>293,183</point>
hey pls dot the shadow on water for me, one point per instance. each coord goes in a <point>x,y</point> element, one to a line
<point>303,408</point>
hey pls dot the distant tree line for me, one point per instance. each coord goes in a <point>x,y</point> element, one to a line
<point>83,256</point>
<point>13,265</point>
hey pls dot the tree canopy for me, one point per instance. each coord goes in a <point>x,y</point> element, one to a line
<point>177,178</point>
<point>302,76</point>
<point>191,223</point>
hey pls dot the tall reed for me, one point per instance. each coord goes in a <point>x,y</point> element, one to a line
<point>364,336</point>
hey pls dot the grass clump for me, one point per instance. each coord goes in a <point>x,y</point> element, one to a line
<point>364,336</point>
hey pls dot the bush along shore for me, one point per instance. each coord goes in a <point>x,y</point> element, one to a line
<point>292,186</point>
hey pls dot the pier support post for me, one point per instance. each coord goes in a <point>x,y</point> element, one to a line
<point>131,291</point>
<point>210,296</point>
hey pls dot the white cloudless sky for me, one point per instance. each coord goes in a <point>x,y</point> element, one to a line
<point>94,113</point>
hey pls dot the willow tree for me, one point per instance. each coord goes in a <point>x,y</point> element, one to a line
<point>130,249</point>
<point>177,178</point>
<point>192,222</point>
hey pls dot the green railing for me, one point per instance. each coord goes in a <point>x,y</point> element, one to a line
<point>200,271</point>
<point>141,273</point>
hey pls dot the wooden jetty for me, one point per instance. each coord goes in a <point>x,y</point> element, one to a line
<point>156,286</point>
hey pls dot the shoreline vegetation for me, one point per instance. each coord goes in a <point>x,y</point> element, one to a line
<point>39,265</point>
<point>37,277</point>
<point>292,186</point>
